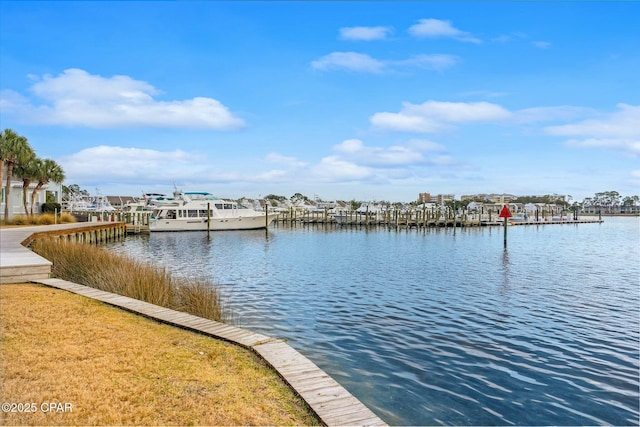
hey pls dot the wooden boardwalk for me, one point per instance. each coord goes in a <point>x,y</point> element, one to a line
<point>18,264</point>
<point>331,402</point>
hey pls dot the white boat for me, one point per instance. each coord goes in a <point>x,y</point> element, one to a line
<point>146,204</point>
<point>202,211</point>
<point>83,203</point>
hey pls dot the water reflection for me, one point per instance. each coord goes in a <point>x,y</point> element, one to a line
<point>505,272</point>
<point>436,327</point>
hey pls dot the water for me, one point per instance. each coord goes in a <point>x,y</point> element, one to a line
<point>442,326</point>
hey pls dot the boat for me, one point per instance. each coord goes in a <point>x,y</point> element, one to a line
<point>192,211</point>
<point>519,217</point>
<point>146,204</point>
<point>85,203</point>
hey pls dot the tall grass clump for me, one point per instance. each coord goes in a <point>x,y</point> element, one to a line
<point>41,219</point>
<point>66,217</point>
<point>93,266</point>
<point>44,219</point>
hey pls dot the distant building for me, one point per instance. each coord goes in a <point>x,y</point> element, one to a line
<point>443,198</point>
<point>424,197</point>
<point>501,198</point>
<point>476,197</point>
<point>439,199</point>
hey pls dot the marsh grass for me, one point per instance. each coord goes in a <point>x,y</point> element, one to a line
<point>42,219</point>
<point>95,267</point>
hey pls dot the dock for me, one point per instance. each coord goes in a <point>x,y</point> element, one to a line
<point>418,223</point>
<point>332,403</point>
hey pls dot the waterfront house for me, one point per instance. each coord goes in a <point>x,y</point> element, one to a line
<point>16,207</point>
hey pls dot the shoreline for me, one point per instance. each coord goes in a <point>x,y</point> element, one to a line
<point>326,398</point>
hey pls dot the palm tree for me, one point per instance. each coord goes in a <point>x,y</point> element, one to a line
<point>49,171</point>
<point>14,150</point>
<point>5,138</point>
<point>27,171</point>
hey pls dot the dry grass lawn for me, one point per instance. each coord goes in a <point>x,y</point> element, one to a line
<point>117,368</point>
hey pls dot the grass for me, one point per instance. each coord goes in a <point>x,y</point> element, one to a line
<point>93,266</point>
<point>42,219</point>
<point>117,368</point>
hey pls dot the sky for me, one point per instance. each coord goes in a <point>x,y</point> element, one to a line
<point>335,100</point>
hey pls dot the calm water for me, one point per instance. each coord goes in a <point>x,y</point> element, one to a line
<point>438,327</point>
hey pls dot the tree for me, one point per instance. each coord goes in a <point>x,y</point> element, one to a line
<point>72,190</point>
<point>49,171</point>
<point>27,172</point>
<point>299,198</point>
<point>14,150</point>
<point>275,197</point>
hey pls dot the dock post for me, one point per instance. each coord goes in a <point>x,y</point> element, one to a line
<point>505,233</point>
<point>266,216</point>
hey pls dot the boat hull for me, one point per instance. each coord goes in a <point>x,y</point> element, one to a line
<point>214,224</point>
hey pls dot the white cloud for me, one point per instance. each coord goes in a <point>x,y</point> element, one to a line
<point>354,161</point>
<point>622,123</point>
<point>406,122</point>
<point>355,150</point>
<point>348,60</point>
<point>542,114</point>
<point>364,63</point>
<point>365,33</point>
<point>628,145</point>
<point>77,98</point>
<point>284,160</point>
<point>541,44</point>
<point>127,164</point>
<point>335,169</point>
<point>130,170</point>
<point>436,28</point>
<point>414,152</point>
<point>618,130</point>
<point>434,116</point>
<point>436,62</point>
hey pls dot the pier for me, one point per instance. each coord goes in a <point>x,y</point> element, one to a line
<point>415,219</point>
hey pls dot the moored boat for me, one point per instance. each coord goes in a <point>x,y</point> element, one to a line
<point>203,211</point>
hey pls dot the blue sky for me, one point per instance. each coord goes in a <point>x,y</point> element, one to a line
<point>343,100</point>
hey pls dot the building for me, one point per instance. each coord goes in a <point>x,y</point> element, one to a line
<point>424,198</point>
<point>16,207</point>
<point>439,199</point>
<point>443,198</point>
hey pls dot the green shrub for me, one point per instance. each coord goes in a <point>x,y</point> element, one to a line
<point>51,208</point>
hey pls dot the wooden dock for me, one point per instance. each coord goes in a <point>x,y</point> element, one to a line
<point>331,402</point>
<point>137,229</point>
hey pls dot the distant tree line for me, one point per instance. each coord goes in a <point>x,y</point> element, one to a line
<point>612,202</point>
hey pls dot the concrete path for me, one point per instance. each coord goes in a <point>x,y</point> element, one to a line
<point>19,264</point>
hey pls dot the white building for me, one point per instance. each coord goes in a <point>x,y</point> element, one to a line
<point>16,206</point>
